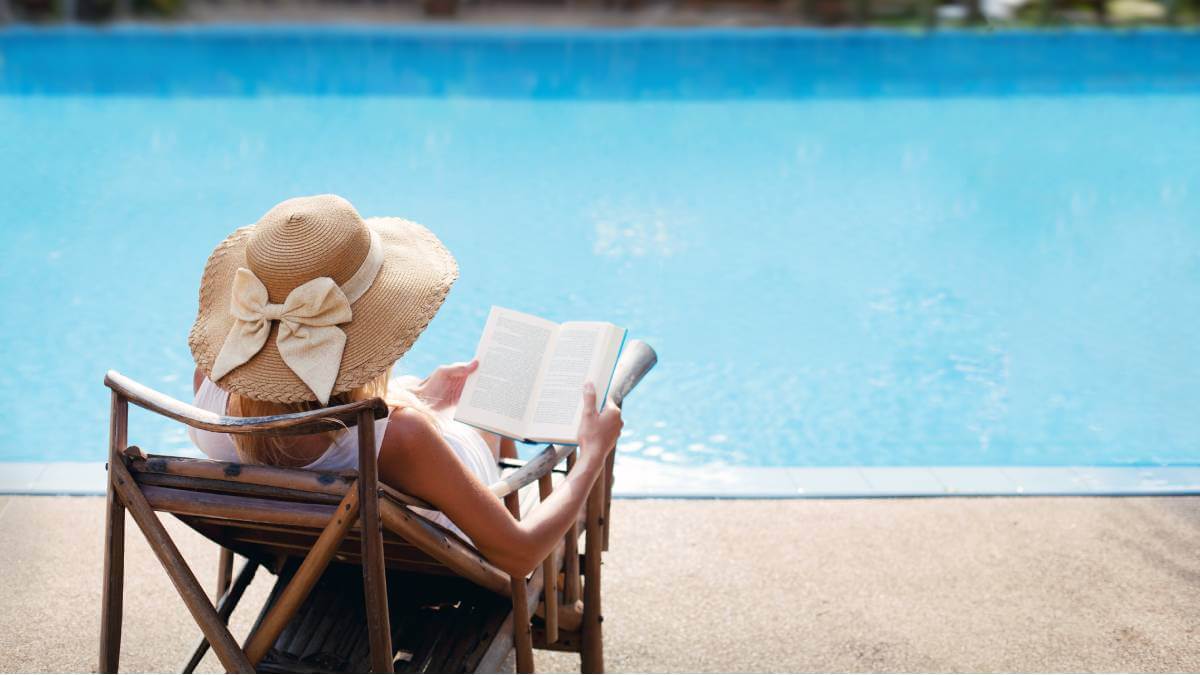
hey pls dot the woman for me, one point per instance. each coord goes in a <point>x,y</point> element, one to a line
<point>312,306</point>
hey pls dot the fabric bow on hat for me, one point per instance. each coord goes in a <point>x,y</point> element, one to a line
<point>309,339</point>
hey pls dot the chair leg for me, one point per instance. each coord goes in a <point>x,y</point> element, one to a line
<point>549,573</point>
<point>608,485</point>
<point>572,590</point>
<point>111,605</point>
<point>225,607</point>
<point>522,631</point>
<point>592,649</point>
<point>224,571</point>
<point>374,575</point>
<point>189,589</point>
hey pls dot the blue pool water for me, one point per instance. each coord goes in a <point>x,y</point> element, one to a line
<point>848,248</point>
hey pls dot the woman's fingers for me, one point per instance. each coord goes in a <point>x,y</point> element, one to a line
<point>444,386</point>
<point>589,399</point>
<point>611,407</point>
<point>461,369</point>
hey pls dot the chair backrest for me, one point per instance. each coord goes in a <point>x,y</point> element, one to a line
<point>268,513</point>
<point>264,513</point>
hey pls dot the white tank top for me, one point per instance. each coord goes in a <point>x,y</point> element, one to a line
<point>342,454</point>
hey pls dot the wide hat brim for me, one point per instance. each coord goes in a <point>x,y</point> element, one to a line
<point>416,275</point>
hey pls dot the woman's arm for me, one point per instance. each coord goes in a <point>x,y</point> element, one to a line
<point>415,459</point>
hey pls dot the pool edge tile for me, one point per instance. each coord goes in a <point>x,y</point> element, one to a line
<point>1046,481</point>
<point>1105,480</point>
<point>71,478</point>
<point>834,481</point>
<point>19,477</point>
<point>903,481</point>
<point>643,479</point>
<point>971,481</point>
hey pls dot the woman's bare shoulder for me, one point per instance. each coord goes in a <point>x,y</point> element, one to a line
<point>409,429</point>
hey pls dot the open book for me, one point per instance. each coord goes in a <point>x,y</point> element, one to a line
<point>529,384</point>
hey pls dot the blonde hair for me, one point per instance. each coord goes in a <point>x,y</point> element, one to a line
<point>274,450</point>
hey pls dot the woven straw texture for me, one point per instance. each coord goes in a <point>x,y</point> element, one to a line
<point>285,250</point>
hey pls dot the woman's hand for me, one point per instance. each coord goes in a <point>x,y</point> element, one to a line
<point>444,386</point>
<point>598,431</point>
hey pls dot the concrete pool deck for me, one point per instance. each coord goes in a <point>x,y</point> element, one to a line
<point>952,584</point>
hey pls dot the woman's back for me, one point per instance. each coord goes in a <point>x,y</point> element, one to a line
<point>341,453</point>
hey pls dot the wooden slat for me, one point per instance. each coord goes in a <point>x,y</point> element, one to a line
<point>315,421</point>
<point>399,553</point>
<point>181,575</point>
<point>345,554</point>
<point>396,553</point>
<point>235,488</point>
<point>310,570</point>
<point>443,546</point>
<point>261,480</point>
<point>250,475</point>
<point>493,659</point>
<point>111,604</point>
<point>443,624</point>
<point>246,509</point>
<point>308,534</point>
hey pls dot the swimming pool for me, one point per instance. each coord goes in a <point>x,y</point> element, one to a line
<point>849,249</point>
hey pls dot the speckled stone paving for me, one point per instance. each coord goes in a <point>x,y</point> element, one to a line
<point>951,584</point>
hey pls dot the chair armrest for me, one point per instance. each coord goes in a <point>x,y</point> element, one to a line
<point>511,463</point>
<point>314,421</point>
<point>636,360</point>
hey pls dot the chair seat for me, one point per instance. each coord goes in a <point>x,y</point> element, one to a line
<point>438,625</point>
<point>250,517</point>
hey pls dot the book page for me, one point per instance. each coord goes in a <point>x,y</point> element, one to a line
<point>579,353</point>
<point>498,396</point>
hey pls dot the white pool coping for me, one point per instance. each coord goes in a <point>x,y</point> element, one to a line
<point>642,479</point>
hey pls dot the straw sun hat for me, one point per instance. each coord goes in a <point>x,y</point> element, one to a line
<point>313,300</point>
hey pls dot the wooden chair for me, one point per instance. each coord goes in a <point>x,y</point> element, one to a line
<point>416,576</point>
